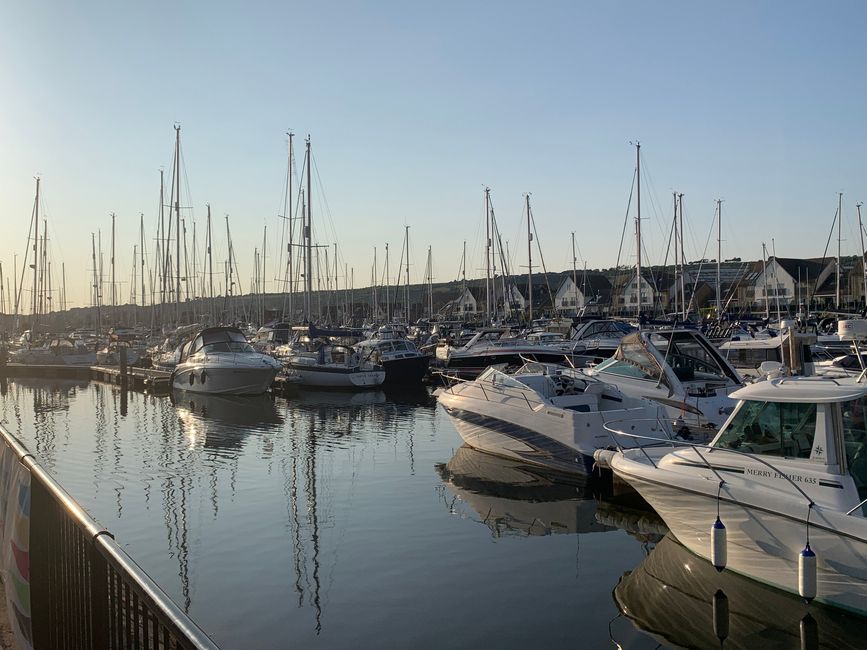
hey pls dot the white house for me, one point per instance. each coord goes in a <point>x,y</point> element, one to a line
<point>516,299</point>
<point>569,296</point>
<point>630,294</point>
<point>464,305</point>
<point>784,278</point>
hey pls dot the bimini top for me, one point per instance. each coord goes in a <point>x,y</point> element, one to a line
<point>802,389</point>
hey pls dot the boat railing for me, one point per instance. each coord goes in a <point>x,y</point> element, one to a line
<point>497,390</point>
<point>697,447</point>
<point>75,586</point>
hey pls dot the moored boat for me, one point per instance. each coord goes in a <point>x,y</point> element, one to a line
<point>219,360</point>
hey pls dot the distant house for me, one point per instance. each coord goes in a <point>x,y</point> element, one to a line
<point>515,299</point>
<point>789,280</point>
<point>591,288</point>
<point>464,305</point>
<point>631,298</point>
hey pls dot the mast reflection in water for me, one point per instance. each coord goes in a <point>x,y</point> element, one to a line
<point>319,520</point>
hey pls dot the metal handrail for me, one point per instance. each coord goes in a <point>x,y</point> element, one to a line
<point>166,616</point>
<point>683,443</point>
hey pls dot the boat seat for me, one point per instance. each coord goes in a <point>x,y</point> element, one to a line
<point>581,402</point>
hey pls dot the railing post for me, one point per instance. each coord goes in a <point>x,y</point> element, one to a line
<point>100,605</point>
<point>40,565</point>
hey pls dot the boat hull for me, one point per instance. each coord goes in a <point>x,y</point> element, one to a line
<point>762,544</point>
<point>338,378</point>
<point>223,381</point>
<point>539,434</point>
<point>408,370</point>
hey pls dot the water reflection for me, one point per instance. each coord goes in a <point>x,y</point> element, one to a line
<point>682,600</point>
<point>511,498</point>
<point>223,421</point>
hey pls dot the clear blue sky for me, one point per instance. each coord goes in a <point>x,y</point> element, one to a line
<point>413,108</point>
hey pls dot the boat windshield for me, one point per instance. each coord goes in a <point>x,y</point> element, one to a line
<point>631,360</point>
<point>773,429</point>
<point>221,341</point>
<point>498,378</point>
<point>689,359</point>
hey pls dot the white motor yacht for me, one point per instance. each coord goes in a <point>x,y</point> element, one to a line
<point>778,495</point>
<point>219,360</point>
<point>545,415</point>
<point>58,351</point>
<point>678,368</point>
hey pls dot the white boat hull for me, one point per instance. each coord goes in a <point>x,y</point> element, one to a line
<point>763,544</point>
<point>223,381</point>
<point>338,378</point>
<point>556,438</point>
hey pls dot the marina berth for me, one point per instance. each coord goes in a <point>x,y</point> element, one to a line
<point>545,415</point>
<point>219,360</point>
<point>777,496</point>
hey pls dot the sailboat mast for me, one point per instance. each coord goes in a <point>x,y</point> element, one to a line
<point>676,259</point>
<point>407,275</point>
<point>387,288</point>
<point>529,262</point>
<point>430,281</point>
<point>176,182</point>
<point>638,223</point>
<point>682,256</point>
<point>113,285</point>
<point>142,247</point>
<point>35,260</point>
<point>718,257</point>
<point>210,271</point>
<point>861,233</point>
<point>765,277</point>
<point>839,237</point>
<point>374,284</point>
<point>264,240</point>
<point>488,254</point>
<point>575,273</point>
<point>308,250</point>
<point>289,274</point>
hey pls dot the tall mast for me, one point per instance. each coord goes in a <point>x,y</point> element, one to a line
<point>718,257</point>
<point>406,315</point>
<point>430,282</point>
<point>96,282</point>
<point>308,255</point>
<point>264,240</point>
<point>529,262</point>
<point>176,186</point>
<point>113,285</point>
<point>682,257</point>
<point>638,222</point>
<point>765,276</point>
<point>210,271</point>
<point>839,222</point>
<point>575,273</point>
<point>142,247</point>
<point>374,284</point>
<point>387,288</point>
<point>35,259</point>
<point>464,267</point>
<point>861,233</point>
<point>676,259</point>
<point>488,255</point>
<point>230,275</point>
<point>291,206</point>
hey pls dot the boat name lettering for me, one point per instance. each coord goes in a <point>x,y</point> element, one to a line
<point>796,478</point>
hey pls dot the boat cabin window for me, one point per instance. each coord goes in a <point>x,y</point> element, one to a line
<point>772,429</point>
<point>754,357</point>
<point>690,360</point>
<point>855,442</point>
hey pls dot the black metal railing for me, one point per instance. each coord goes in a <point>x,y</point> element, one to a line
<point>85,591</point>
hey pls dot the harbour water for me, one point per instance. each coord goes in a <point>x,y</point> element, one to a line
<point>338,520</point>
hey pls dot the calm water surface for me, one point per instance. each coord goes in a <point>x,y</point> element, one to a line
<point>340,520</point>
